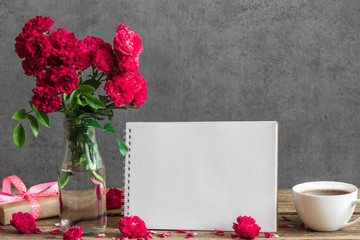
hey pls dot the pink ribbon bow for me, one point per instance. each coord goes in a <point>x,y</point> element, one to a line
<point>40,190</point>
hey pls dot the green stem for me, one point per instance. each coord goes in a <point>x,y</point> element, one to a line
<point>99,178</point>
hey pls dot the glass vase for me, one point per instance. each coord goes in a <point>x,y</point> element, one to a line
<point>81,177</point>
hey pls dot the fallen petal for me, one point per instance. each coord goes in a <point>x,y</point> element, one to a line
<point>235,236</point>
<point>285,218</point>
<point>190,235</point>
<point>182,231</point>
<point>165,234</point>
<point>36,230</point>
<point>123,238</point>
<point>302,225</point>
<point>56,231</point>
<point>57,224</point>
<point>100,235</point>
<point>1,228</point>
<point>270,235</point>
<point>219,232</point>
<point>284,226</point>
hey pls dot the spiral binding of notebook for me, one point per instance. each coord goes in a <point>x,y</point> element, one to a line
<point>127,174</point>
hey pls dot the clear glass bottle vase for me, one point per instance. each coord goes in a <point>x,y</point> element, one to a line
<point>81,176</point>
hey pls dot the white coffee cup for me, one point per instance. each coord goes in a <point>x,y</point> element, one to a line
<point>325,212</point>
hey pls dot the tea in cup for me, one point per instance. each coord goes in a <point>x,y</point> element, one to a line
<point>325,205</point>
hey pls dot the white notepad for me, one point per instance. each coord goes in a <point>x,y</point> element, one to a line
<point>202,175</point>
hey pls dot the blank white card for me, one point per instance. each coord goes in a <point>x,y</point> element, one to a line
<point>202,175</point>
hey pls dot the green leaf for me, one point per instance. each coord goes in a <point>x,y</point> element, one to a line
<point>70,114</point>
<point>34,125</point>
<point>104,99</point>
<point>84,160</point>
<point>86,115</point>
<point>64,181</point>
<point>73,99</point>
<point>32,105</point>
<point>123,149</point>
<point>94,83</point>
<point>85,89</point>
<point>79,101</point>
<point>110,117</point>
<point>19,136</point>
<point>20,115</point>
<point>43,118</point>
<point>109,128</point>
<point>94,124</point>
<point>93,102</point>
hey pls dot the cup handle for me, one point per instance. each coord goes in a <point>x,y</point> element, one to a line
<point>357,220</point>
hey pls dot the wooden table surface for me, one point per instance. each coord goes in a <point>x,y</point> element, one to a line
<point>285,208</point>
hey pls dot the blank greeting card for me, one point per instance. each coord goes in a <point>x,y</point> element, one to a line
<point>202,175</point>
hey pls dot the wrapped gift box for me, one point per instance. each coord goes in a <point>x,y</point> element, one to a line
<point>49,207</point>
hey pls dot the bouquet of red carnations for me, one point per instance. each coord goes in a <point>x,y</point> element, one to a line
<point>57,59</point>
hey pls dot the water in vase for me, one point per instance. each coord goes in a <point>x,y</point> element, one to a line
<point>82,201</point>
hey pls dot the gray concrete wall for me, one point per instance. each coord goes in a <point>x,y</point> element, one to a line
<point>296,62</point>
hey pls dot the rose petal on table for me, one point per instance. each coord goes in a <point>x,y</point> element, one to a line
<point>56,231</point>
<point>302,225</point>
<point>190,235</point>
<point>100,235</point>
<point>57,224</point>
<point>1,228</point>
<point>165,234</point>
<point>270,235</point>
<point>182,231</point>
<point>36,230</point>
<point>148,236</point>
<point>285,218</point>
<point>219,232</point>
<point>284,226</point>
<point>235,236</point>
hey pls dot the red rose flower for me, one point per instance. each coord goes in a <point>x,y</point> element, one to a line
<point>140,96</point>
<point>38,47</point>
<point>38,24</point>
<point>104,61</point>
<point>90,45</point>
<point>46,99</point>
<point>63,44</point>
<point>63,78</point>
<point>74,233</point>
<point>246,227</point>
<point>20,45</point>
<point>123,87</point>
<point>133,227</point>
<point>32,67</point>
<point>82,60</point>
<point>24,223</point>
<point>114,198</point>
<point>128,63</point>
<point>126,41</point>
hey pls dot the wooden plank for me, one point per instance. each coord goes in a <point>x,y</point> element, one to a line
<point>285,208</point>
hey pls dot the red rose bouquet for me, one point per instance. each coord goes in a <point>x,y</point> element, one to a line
<point>57,60</point>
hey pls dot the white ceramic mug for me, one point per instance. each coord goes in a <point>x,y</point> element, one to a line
<point>325,213</point>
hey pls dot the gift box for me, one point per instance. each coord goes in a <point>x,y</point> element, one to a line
<point>49,207</point>
<point>41,200</point>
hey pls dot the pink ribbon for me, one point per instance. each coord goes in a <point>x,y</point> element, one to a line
<point>40,190</point>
